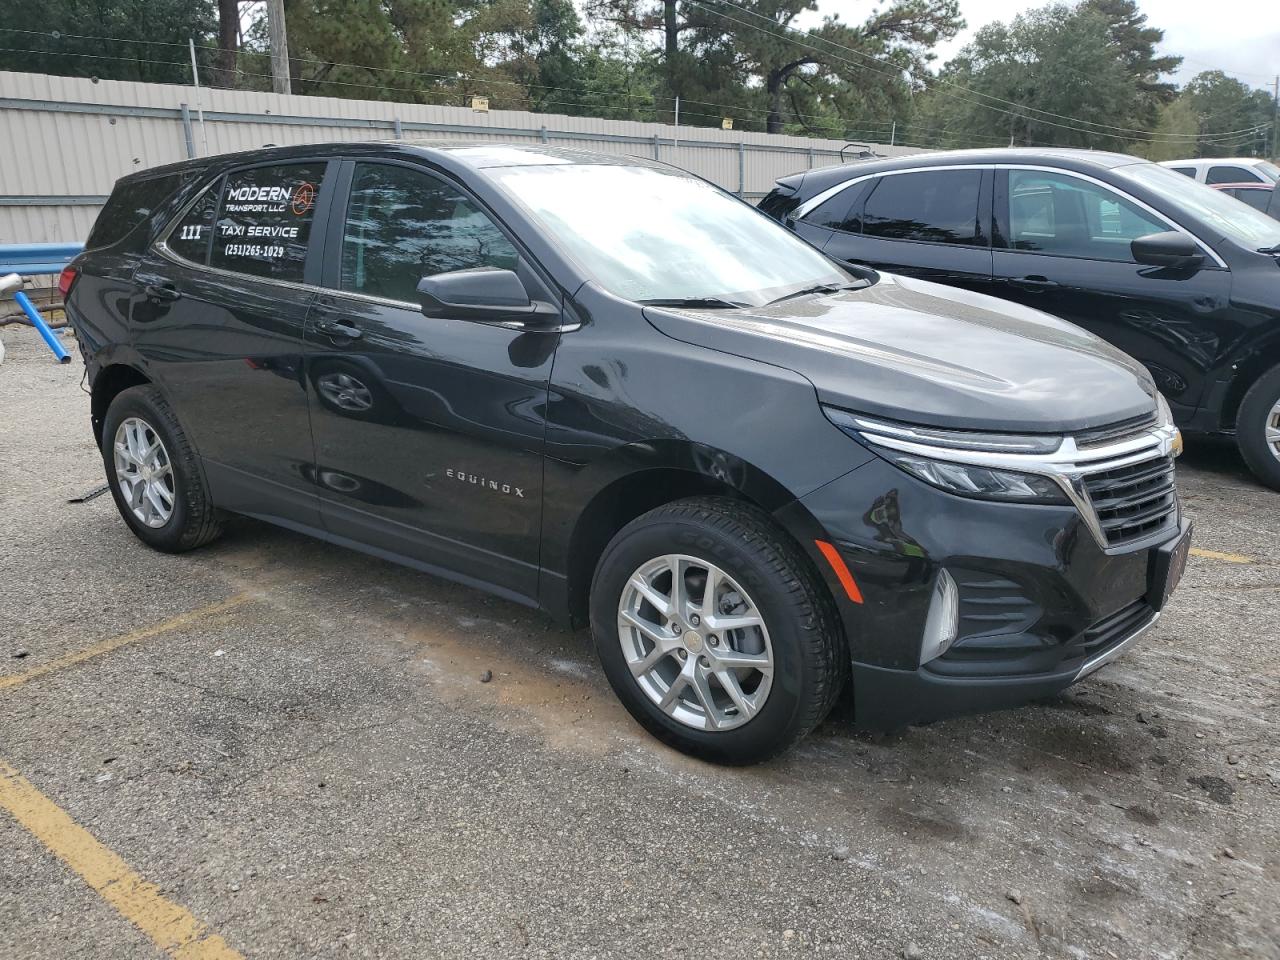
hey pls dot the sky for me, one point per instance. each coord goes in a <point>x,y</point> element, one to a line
<point>1241,37</point>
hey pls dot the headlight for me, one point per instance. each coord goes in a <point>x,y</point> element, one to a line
<point>967,480</point>
<point>985,483</point>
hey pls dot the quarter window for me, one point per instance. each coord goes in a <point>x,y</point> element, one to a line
<point>403,224</point>
<point>940,206</point>
<point>1231,174</point>
<point>1185,171</point>
<point>1059,214</point>
<point>265,219</point>
<point>191,236</point>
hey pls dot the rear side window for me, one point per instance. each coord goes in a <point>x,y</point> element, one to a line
<point>264,220</point>
<point>1185,171</point>
<point>1226,174</point>
<point>938,206</point>
<point>403,224</point>
<point>190,237</point>
<point>130,203</point>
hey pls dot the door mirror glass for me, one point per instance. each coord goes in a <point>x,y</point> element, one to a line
<point>481,293</point>
<point>1168,249</point>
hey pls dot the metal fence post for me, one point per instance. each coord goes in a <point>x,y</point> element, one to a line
<point>742,168</point>
<point>186,132</point>
<point>542,133</point>
<point>656,155</point>
<point>811,158</point>
<point>399,129</point>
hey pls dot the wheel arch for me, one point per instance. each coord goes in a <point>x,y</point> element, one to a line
<point>1248,372</point>
<point>109,383</point>
<point>668,472</point>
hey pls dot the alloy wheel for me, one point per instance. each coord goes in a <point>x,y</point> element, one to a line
<point>345,391</point>
<point>695,642</point>
<point>144,472</point>
<point>1272,427</point>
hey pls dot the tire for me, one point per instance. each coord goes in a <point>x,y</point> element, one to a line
<point>765,575</point>
<point>1259,412</point>
<point>192,519</point>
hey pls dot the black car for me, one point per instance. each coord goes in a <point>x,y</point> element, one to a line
<point>606,388</point>
<point>1174,273</point>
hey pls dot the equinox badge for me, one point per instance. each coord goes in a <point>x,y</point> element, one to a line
<point>485,482</point>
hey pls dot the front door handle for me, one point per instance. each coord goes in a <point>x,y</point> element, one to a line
<point>339,329</point>
<point>1035,283</point>
<point>161,291</point>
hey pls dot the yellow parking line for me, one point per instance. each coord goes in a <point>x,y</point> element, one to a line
<point>171,927</point>
<point>1215,555</point>
<point>106,646</point>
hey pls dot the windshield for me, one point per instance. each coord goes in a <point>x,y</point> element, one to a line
<point>1237,221</point>
<point>1269,169</point>
<point>650,234</point>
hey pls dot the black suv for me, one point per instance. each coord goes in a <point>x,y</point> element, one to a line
<point>606,388</point>
<point>1174,273</point>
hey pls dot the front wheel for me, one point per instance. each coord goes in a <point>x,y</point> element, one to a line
<point>715,632</point>
<point>1258,428</point>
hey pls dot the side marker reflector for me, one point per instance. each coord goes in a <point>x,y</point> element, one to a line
<point>841,571</point>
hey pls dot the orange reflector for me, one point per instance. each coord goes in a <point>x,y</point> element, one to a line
<point>842,571</point>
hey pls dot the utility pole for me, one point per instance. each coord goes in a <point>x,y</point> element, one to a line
<point>279,40</point>
<point>1275,123</point>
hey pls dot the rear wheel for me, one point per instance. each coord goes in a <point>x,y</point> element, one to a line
<point>714,631</point>
<point>154,474</point>
<point>1258,428</point>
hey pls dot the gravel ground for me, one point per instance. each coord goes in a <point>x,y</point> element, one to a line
<point>317,770</point>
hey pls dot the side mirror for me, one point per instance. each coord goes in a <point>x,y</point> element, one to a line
<point>483,293</point>
<point>1171,249</point>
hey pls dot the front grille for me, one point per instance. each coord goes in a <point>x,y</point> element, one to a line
<point>1134,502</point>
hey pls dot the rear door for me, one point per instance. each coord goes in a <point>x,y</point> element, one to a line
<point>219,315</point>
<point>933,224</point>
<point>1063,246</point>
<point>428,431</point>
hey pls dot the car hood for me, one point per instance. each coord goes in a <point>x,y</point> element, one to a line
<point>911,350</point>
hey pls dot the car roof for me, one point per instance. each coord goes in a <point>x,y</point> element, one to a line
<point>1068,159</point>
<point>1210,161</point>
<point>454,154</point>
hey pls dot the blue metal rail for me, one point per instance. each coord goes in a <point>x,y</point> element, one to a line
<point>34,259</point>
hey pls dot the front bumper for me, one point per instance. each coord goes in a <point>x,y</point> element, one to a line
<point>1041,603</point>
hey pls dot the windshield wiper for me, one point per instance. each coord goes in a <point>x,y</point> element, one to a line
<point>696,303</point>
<point>820,288</point>
<point>1275,249</point>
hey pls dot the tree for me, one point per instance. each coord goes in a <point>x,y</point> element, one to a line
<point>1079,76</point>
<point>1135,44</point>
<point>228,42</point>
<point>1231,118</point>
<point>119,40</point>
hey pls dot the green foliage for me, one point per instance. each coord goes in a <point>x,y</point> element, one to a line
<point>1085,73</point>
<point>149,38</point>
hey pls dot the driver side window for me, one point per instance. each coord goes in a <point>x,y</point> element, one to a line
<point>403,224</point>
<point>1060,214</point>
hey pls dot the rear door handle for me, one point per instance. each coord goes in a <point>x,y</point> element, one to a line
<point>161,291</point>
<point>1034,283</point>
<point>339,329</point>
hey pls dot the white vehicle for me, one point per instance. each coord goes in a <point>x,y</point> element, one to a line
<point>1227,170</point>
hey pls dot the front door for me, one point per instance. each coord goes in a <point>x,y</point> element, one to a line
<point>219,316</point>
<point>1062,246</point>
<point>428,431</point>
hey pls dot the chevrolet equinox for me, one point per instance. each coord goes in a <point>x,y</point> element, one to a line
<point>606,388</point>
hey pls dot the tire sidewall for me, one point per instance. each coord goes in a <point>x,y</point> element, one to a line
<point>1251,428</point>
<point>792,678</point>
<point>135,402</point>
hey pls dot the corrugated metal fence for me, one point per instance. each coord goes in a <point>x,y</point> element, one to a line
<point>67,139</point>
